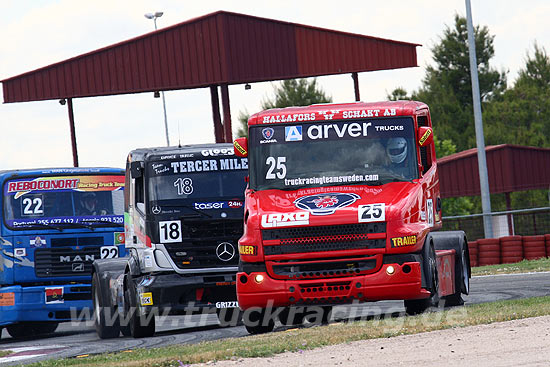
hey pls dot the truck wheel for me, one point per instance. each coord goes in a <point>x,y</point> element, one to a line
<point>418,306</point>
<point>255,324</point>
<point>292,316</point>
<point>43,328</point>
<point>105,317</point>
<point>229,316</point>
<point>140,326</point>
<point>462,269</point>
<point>20,330</point>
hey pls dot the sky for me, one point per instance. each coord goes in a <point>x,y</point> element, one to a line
<point>37,33</point>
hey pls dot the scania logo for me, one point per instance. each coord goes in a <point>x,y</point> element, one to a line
<point>225,251</point>
<point>325,204</point>
<point>77,258</point>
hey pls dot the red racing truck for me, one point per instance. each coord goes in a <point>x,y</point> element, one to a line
<point>343,206</point>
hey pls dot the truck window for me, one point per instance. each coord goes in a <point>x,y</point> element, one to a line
<point>425,152</point>
<point>334,153</point>
<point>63,200</point>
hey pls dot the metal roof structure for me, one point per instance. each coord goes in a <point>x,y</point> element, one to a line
<point>214,50</point>
<point>510,168</point>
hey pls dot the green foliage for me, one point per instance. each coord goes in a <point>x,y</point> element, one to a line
<point>291,92</point>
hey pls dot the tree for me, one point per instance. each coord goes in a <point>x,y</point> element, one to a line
<point>447,86</point>
<point>291,92</point>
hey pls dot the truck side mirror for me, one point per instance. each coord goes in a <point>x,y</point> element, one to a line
<point>241,147</point>
<point>426,136</point>
<point>136,168</point>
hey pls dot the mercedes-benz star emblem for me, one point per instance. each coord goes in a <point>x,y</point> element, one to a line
<point>225,251</point>
<point>155,209</point>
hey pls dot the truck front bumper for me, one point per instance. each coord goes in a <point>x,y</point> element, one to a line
<point>404,282</point>
<point>175,294</point>
<point>45,303</point>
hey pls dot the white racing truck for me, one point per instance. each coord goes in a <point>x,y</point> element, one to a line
<point>183,217</point>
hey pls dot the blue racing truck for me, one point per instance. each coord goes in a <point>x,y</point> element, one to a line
<point>55,223</point>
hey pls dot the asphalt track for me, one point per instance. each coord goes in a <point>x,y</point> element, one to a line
<point>76,339</point>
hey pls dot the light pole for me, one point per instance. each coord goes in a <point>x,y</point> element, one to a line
<point>154,16</point>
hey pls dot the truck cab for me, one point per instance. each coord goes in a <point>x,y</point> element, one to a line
<point>343,206</point>
<point>55,223</point>
<point>183,218</point>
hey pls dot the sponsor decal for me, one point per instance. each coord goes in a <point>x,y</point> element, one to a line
<point>248,250</point>
<point>235,204</point>
<point>372,213</point>
<point>430,212</point>
<point>338,130</point>
<point>20,252</point>
<point>53,295</point>
<point>231,304</point>
<point>403,241</point>
<point>325,204</point>
<point>425,137</point>
<point>240,148</point>
<point>37,241</point>
<point>216,152</point>
<point>267,133</point>
<point>7,299</point>
<point>76,258</point>
<point>293,133</point>
<point>225,251</point>
<point>120,238</point>
<point>146,299</point>
<point>290,118</point>
<point>208,206</point>
<point>285,219</point>
<point>148,260</point>
<point>203,165</point>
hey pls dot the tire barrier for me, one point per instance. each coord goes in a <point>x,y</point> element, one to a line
<point>472,249</point>
<point>488,251</point>
<point>511,249</point>
<point>534,247</point>
<point>547,240</point>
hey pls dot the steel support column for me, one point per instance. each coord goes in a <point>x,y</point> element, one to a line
<point>356,86</point>
<point>226,114</point>
<point>218,128</point>
<point>73,134</point>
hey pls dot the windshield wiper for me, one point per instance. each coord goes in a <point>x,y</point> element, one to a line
<point>79,225</point>
<point>42,225</point>
<point>196,210</point>
<point>102,222</point>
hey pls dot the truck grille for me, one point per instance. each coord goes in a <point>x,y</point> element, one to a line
<point>323,246</point>
<point>328,233</point>
<point>64,261</point>
<point>322,268</point>
<point>200,242</point>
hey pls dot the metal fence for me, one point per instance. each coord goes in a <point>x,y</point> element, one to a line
<point>524,222</point>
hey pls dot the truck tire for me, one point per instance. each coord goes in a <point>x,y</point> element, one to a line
<point>31,329</point>
<point>229,317</point>
<point>140,326</point>
<point>462,285</point>
<point>254,322</point>
<point>104,314</point>
<point>418,306</point>
<point>292,316</point>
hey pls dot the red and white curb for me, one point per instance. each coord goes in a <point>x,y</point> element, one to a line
<point>21,353</point>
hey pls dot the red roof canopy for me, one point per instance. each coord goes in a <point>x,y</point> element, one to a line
<point>214,49</point>
<point>510,168</point>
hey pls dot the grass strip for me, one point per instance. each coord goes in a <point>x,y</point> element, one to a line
<point>4,353</point>
<point>525,266</point>
<point>314,337</point>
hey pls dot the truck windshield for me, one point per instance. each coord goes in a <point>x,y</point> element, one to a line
<point>333,153</point>
<point>82,201</point>
<point>197,180</point>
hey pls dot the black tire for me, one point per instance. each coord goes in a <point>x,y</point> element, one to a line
<point>229,317</point>
<point>313,313</point>
<point>104,314</point>
<point>418,306</point>
<point>292,316</point>
<point>31,329</point>
<point>140,326</point>
<point>254,322</point>
<point>125,330</point>
<point>462,285</point>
